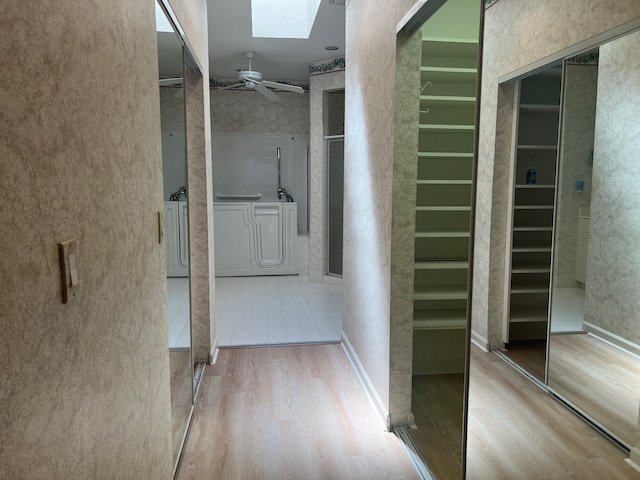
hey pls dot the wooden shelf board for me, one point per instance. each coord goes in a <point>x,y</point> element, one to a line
<point>533,207</point>
<point>446,128</point>
<point>522,315</point>
<point>448,99</point>
<point>535,187</point>
<point>441,265</point>
<point>532,229</point>
<point>532,268</point>
<point>440,324</point>
<point>538,147</point>
<point>447,208</point>
<point>530,288</point>
<point>445,154</point>
<point>531,249</point>
<point>442,292</point>
<point>443,182</point>
<point>450,234</point>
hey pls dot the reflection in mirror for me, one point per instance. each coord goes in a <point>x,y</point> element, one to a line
<point>537,115</point>
<point>174,170</point>
<point>594,349</point>
<point>439,65</point>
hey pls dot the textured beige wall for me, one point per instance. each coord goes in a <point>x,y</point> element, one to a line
<point>517,33</point>
<point>576,143</point>
<point>613,266</point>
<point>244,111</point>
<point>369,134</point>
<point>192,16</point>
<point>84,386</point>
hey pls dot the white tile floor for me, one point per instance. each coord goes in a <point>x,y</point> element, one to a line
<point>178,309</point>
<point>567,311</point>
<point>272,310</point>
<point>276,310</point>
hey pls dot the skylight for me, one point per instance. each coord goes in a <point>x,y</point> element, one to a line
<point>162,23</point>
<point>283,18</point>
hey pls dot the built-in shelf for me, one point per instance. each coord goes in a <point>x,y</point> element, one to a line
<point>528,267</point>
<point>443,198</point>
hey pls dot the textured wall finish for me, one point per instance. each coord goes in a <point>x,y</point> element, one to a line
<point>517,33</point>
<point>318,121</point>
<point>613,265</point>
<point>576,146</point>
<point>245,111</point>
<point>171,109</point>
<point>84,385</point>
<point>403,222</point>
<point>369,114</point>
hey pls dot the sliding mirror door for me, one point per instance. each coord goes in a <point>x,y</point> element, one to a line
<point>171,63</point>
<point>594,350</point>
<point>437,84</point>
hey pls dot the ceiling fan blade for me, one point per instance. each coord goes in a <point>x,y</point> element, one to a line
<point>267,93</point>
<point>166,82</point>
<point>283,86</point>
<point>228,87</point>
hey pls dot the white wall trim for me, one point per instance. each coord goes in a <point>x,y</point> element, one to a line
<point>563,281</point>
<point>213,355</point>
<point>365,381</point>
<point>634,458</point>
<point>332,280</point>
<point>480,341</point>
<point>612,338</point>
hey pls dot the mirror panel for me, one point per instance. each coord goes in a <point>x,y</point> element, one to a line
<point>437,85</point>
<point>171,65</point>
<point>594,346</point>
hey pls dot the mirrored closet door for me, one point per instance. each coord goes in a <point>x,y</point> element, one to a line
<point>171,64</point>
<point>571,320</point>
<point>437,85</point>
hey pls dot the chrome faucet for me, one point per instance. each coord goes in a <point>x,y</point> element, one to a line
<point>283,192</point>
<point>174,197</point>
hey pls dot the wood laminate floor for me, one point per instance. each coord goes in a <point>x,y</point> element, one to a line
<point>181,396</point>
<point>436,403</point>
<point>517,431</point>
<point>529,354</point>
<point>600,379</point>
<point>294,412</point>
<point>300,413</point>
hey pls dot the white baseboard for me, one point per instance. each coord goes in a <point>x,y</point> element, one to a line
<point>213,355</point>
<point>315,277</point>
<point>367,385</point>
<point>634,458</point>
<point>612,338</point>
<point>480,341</point>
<point>561,281</point>
<point>331,280</point>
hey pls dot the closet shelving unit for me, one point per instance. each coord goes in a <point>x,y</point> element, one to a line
<point>537,117</point>
<point>443,200</point>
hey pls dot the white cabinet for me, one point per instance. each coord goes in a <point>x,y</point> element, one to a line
<point>176,227</point>
<point>255,238</point>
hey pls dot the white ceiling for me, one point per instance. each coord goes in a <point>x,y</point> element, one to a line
<point>276,58</point>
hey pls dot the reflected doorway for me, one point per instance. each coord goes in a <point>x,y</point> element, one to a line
<point>335,198</point>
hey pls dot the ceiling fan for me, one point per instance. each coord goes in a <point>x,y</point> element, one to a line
<point>252,80</point>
